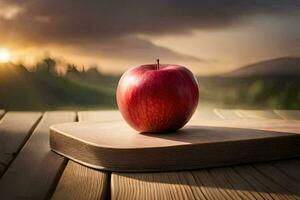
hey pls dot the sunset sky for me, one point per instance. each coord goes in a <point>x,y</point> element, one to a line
<point>209,36</point>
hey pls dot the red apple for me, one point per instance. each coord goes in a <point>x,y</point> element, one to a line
<point>157,97</point>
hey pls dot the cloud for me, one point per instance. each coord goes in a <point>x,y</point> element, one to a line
<point>94,19</point>
<point>9,12</point>
<point>112,27</point>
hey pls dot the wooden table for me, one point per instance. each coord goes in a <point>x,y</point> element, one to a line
<point>30,170</point>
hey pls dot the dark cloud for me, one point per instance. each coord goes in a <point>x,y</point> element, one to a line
<point>77,19</point>
<point>95,22</point>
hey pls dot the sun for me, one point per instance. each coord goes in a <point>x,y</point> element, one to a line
<point>5,55</point>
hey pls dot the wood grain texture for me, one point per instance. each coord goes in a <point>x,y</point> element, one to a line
<point>79,182</point>
<point>243,182</point>
<point>273,180</point>
<point>34,171</point>
<point>257,114</point>
<point>205,114</point>
<point>240,182</point>
<point>227,114</point>
<point>101,116</point>
<point>15,129</point>
<point>279,177</point>
<point>288,114</point>
<point>263,184</point>
<point>180,185</point>
<point>114,146</point>
<point>291,168</point>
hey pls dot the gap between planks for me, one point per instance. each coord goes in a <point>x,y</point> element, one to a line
<point>35,196</point>
<point>246,114</point>
<point>243,182</point>
<point>80,182</point>
<point>13,137</point>
<point>34,171</point>
<point>239,182</point>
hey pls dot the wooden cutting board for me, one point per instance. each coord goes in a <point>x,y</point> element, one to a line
<point>114,146</point>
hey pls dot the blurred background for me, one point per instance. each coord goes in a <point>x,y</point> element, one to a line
<point>70,54</point>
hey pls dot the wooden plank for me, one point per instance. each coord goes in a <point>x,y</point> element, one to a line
<point>80,182</point>
<point>205,114</point>
<point>219,183</point>
<point>242,182</point>
<point>290,168</point>
<point>35,170</point>
<point>15,129</point>
<point>257,114</point>
<point>114,146</point>
<point>227,114</point>
<point>239,185</point>
<point>278,184</point>
<point>107,115</point>
<point>213,187</point>
<point>115,115</point>
<point>288,114</point>
<point>263,184</point>
<point>279,177</point>
<point>180,185</point>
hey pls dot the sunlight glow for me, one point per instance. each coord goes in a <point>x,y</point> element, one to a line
<point>5,55</point>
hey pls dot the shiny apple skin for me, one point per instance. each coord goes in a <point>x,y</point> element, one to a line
<point>157,100</point>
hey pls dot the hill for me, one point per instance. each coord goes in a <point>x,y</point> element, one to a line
<point>40,90</point>
<point>255,86</point>
<point>284,66</point>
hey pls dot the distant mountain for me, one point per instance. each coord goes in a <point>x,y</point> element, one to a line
<point>274,67</point>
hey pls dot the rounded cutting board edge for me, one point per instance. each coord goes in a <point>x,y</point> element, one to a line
<point>114,146</point>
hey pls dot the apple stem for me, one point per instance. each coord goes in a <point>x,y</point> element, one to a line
<point>157,64</point>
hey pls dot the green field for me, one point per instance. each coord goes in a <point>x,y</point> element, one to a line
<point>258,92</point>
<point>44,89</point>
